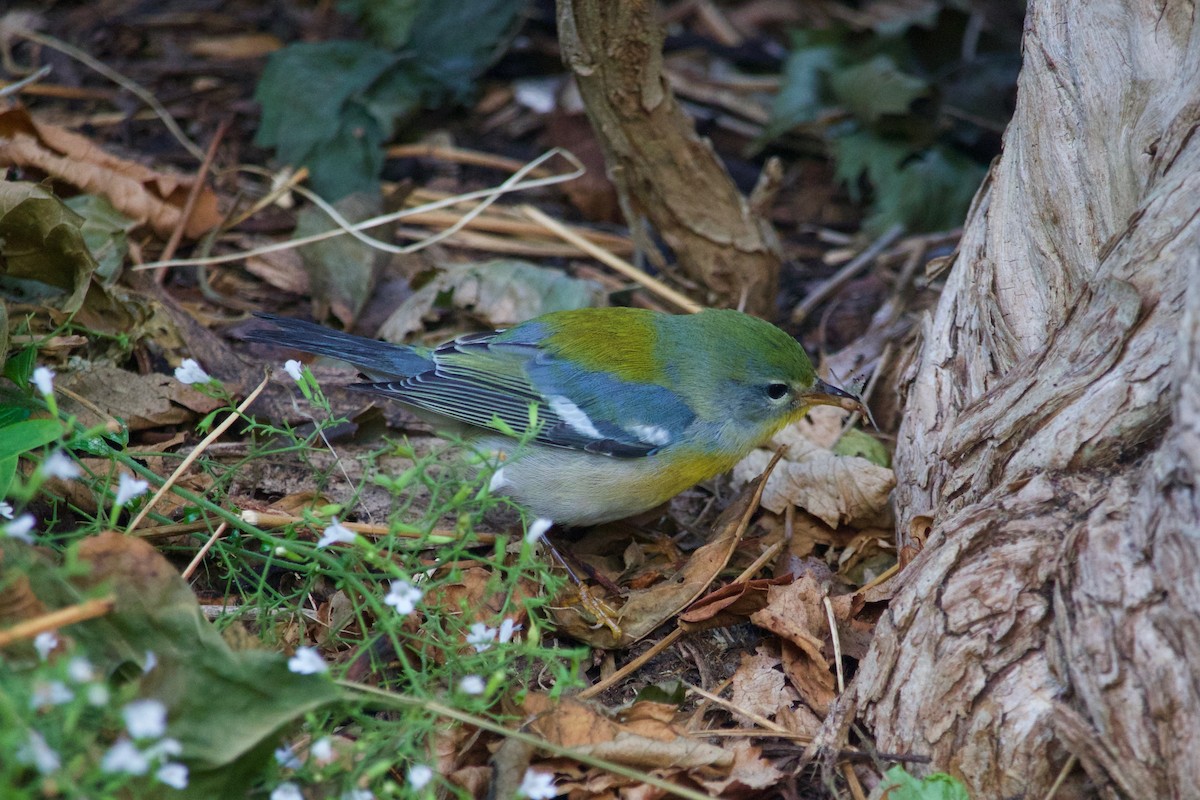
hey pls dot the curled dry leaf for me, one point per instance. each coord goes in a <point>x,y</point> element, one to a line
<point>796,613</point>
<point>730,604</point>
<point>150,197</point>
<point>646,609</point>
<point>143,401</point>
<point>759,686</point>
<point>646,741</point>
<point>750,775</point>
<point>838,490</point>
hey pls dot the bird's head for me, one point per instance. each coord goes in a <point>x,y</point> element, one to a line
<point>757,373</point>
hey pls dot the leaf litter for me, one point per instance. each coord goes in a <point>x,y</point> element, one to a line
<point>823,515</point>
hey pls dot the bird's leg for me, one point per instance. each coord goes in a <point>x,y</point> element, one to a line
<point>597,609</point>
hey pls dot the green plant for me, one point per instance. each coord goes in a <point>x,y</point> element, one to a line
<point>909,119</point>
<point>439,641</point>
<point>330,105</point>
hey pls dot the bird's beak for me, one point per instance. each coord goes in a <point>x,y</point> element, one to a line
<point>826,394</point>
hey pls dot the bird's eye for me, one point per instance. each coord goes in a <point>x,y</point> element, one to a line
<point>777,391</point>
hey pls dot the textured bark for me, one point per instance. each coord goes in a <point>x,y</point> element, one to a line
<point>1052,433</point>
<point>661,168</point>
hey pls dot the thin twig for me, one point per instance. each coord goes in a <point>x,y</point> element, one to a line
<point>487,196</point>
<point>459,155</point>
<point>127,83</point>
<point>852,781</point>
<point>845,274</point>
<point>465,718</point>
<point>652,284</point>
<point>199,557</point>
<point>14,88</point>
<point>196,451</point>
<point>837,643</point>
<point>1062,776</point>
<point>88,609</point>
<point>757,719</point>
<point>265,519</point>
<point>189,204</point>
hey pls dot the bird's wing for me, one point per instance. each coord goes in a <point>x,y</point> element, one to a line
<point>476,379</point>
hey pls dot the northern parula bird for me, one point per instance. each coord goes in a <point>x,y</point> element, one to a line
<point>633,406</point>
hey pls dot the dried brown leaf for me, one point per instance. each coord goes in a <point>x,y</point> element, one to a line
<point>730,604</point>
<point>150,197</point>
<point>759,686</point>
<point>750,775</point>
<point>143,401</point>
<point>836,489</point>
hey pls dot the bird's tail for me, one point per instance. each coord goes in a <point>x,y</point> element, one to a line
<point>379,360</point>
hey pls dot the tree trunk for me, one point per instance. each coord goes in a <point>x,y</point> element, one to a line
<point>1051,438</point>
<point>661,168</point>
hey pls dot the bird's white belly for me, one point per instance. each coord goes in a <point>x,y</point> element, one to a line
<point>572,487</point>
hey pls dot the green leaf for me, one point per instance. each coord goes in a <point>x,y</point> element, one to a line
<point>926,190</point>
<point>105,230</point>
<point>8,471</point>
<point>501,293</point>
<point>315,112</point>
<point>855,442</point>
<point>802,94</point>
<point>670,693</point>
<point>43,243</point>
<point>3,334</point>
<point>862,154</point>
<point>876,88</point>
<point>10,415</point>
<point>227,708</point>
<point>453,43</point>
<point>899,785</point>
<point>388,22</point>
<point>930,193</point>
<point>19,368</point>
<point>329,106</point>
<point>28,435</point>
<point>341,271</point>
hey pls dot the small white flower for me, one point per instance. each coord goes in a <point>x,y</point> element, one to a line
<point>507,628</point>
<point>537,529</point>
<point>336,533</point>
<point>129,487</point>
<point>125,757</point>
<point>403,597</point>
<point>358,794</point>
<point>481,636</point>
<point>145,719</point>
<point>58,465</point>
<point>20,528</point>
<point>164,747</point>
<point>173,774</point>
<point>287,791</point>
<point>97,695</point>
<point>50,693</point>
<point>307,661</point>
<point>151,662</point>
<point>44,643</point>
<point>537,785</point>
<point>419,776</point>
<point>286,757</point>
<point>6,509</point>
<point>472,684</point>
<point>190,372</point>
<point>43,379</point>
<point>80,670</point>
<point>35,751</point>
<point>295,369</point>
<point>322,750</point>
